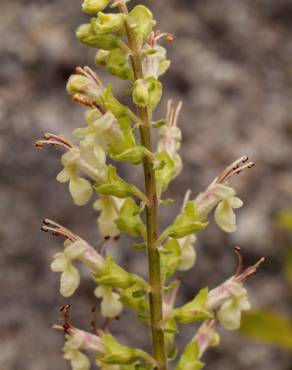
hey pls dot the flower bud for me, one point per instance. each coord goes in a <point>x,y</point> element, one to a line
<point>140,93</point>
<point>78,84</point>
<point>142,22</point>
<point>94,6</point>
<point>109,23</point>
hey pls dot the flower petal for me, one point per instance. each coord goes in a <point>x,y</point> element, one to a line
<point>229,315</point>
<point>74,250</point>
<point>70,280</point>
<point>225,217</point>
<point>236,202</point>
<point>110,306</point>
<point>60,263</point>
<point>81,190</point>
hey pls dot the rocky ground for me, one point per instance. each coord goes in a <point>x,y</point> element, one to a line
<point>232,67</point>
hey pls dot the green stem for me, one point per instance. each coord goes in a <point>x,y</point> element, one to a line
<point>155,295</point>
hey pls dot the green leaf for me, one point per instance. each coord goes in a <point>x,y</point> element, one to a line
<point>194,310</point>
<point>186,223</point>
<point>142,22</point>
<point>129,220</point>
<point>189,360</point>
<point>268,327</point>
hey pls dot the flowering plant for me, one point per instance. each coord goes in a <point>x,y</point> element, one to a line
<point>129,48</point>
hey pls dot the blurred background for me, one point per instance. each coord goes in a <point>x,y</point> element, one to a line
<point>232,67</point>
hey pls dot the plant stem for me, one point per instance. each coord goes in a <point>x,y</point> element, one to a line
<point>155,295</point>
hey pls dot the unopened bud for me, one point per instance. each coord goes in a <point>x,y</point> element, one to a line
<point>94,6</point>
<point>109,23</point>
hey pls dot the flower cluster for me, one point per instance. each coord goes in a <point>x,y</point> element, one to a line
<point>129,48</point>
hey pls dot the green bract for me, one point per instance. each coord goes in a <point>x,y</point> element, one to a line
<point>186,223</point>
<point>117,63</point>
<point>194,310</point>
<point>140,93</point>
<point>134,155</point>
<point>170,258</point>
<point>129,220</point>
<point>165,171</point>
<point>115,276</point>
<point>138,303</point>
<point>147,93</point>
<point>118,353</point>
<point>190,358</point>
<point>115,186</point>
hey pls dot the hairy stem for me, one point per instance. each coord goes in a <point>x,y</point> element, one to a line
<point>155,295</point>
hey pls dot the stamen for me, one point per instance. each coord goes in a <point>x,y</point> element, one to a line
<point>235,168</point>
<point>168,111</point>
<point>252,270</point>
<point>66,317</point>
<point>105,326</point>
<point>89,73</point>
<point>94,321</point>
<point>52,139</point>
<point>58,230</point>
<point>238,170</point>
<point>176,113</point>
<point>81,99</point>
<point>237,251</point>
